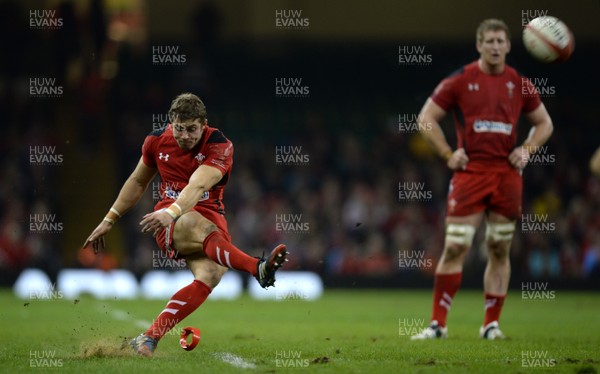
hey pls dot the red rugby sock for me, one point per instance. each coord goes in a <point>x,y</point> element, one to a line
<point>445,287</point>
<point>221,251</point>
<point>181,305</point>
<point>493,307</point>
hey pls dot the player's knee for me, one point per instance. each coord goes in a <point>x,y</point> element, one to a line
<point>459,238</point>
<point>454,251</point>
<point>498,237</point>
<point>498,250</point>
<point>211,274</point>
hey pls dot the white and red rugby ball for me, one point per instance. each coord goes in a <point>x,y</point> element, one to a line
<point>548,39</point>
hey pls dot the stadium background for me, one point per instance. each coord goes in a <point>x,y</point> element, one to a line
<point>347,126</point>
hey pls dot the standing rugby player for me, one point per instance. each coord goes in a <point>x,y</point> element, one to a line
<point>486,98</point>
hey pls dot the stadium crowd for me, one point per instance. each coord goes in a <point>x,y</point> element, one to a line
<point>344,193</point>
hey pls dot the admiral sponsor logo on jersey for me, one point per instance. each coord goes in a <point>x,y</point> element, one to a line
<point>291,87</point>
<point>413,55</point>
<point>44,19</point>
<point>492,126</point>
<point>290,19</point>
<point>44,87</point>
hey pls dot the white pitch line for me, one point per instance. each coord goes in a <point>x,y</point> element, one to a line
<point>234,360</point>
<point>226,357</point>
<point>122,315</point>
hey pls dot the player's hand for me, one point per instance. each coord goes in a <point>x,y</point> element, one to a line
<point>458,160</point>
<point>155,221</point>
<point>96,239</point>
<point>519,158</point>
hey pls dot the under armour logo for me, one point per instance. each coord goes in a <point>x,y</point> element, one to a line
<point>163,157</point>
<point>473,86</point>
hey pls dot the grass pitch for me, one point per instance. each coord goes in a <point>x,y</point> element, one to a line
<point>344,332</point>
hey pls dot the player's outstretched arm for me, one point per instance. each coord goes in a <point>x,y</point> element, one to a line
<point>540,132</point>
<point>202,180</point>
<point>429,127</point>
<point>130,194</point>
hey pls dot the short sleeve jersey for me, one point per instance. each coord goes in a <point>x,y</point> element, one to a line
<point>176,165</point>
<point>486,110</point>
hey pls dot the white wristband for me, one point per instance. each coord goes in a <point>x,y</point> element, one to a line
<point>171,213</point>
<point>115,212</point>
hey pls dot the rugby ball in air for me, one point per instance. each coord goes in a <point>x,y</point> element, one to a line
<point>548,39</point>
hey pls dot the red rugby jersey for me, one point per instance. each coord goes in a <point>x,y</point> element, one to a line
<point>176,165</point>
<point>486,110</point>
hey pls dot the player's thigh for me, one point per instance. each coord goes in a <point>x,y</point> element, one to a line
<point>506,199</point>
<point>190,231</point>
<point>204,269</point>
<point>468,193</point>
